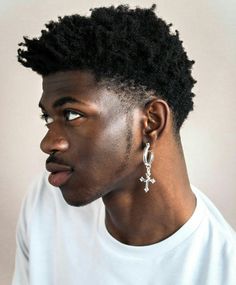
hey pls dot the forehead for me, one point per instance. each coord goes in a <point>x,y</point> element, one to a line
<point>68,81</point>
<point>81,85</point>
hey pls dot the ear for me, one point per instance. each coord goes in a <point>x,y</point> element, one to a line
<point>157,114</point>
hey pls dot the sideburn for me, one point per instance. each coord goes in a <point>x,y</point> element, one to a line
<point>129,139</point>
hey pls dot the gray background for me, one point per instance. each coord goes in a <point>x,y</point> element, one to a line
<point>208,29</point>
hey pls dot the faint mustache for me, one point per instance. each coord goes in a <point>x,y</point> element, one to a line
<point>54,159</point>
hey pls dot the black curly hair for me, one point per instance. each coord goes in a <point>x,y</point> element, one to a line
<point>131,50</point>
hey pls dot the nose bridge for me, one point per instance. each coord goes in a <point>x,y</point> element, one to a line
<point>54,140</point>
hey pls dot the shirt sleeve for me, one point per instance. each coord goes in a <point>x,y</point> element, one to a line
<point>21,274</point>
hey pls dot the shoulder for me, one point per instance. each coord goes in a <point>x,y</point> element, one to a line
<point>39,192</point>
<point>44,203</point>
<point>218,228</point>
<point>217,240</point>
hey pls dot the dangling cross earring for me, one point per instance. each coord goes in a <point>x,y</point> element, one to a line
<point>148,157</point>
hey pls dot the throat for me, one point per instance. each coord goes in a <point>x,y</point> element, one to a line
<point>150,222</point>
<point>140,237</point>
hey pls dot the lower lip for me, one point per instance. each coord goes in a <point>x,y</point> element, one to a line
<point>59,178</point>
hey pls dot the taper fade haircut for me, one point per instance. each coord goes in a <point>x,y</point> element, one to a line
<point>131,51</point>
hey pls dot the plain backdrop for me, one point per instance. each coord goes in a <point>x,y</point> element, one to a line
<point>208,30</point>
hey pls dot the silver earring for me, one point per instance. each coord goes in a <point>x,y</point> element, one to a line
<point>148,157</point>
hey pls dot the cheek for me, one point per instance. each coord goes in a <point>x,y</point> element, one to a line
<point>110,144</point>
<point>102,149</point>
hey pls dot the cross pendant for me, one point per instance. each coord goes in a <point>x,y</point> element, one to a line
<point>146,181</point>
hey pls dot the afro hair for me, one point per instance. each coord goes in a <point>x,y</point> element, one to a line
<point>134,47</point>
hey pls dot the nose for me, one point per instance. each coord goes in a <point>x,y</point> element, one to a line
<point>54,142</point>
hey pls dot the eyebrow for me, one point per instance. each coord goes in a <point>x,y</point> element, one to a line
<point>62,101</point>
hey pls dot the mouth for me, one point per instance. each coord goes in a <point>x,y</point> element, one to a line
<point>59,175</point>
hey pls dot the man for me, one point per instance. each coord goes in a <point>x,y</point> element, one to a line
<point>116,90</point>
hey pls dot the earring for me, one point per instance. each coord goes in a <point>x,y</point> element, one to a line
<point>148,157</point>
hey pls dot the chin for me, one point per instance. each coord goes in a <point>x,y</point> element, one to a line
<point>76,203</point>
<point>78,198</point>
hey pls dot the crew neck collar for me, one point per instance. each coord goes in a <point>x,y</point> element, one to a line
<point>159,248</point>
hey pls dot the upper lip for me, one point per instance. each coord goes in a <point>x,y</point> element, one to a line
<point>56,167</point>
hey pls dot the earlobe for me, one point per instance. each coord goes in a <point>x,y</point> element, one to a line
<point>157,114</point>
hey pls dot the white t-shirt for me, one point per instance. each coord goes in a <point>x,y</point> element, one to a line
<point>64,245</point>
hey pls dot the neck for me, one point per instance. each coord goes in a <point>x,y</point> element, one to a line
<point>137,218</point>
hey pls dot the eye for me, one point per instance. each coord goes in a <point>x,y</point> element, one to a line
<point>70,115</point>
<point>45,117</point>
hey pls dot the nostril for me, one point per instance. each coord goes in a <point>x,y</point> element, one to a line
<point>51,144</point>
<point>62,144</point>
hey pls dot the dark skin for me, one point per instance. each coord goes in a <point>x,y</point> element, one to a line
<point>104,148</point>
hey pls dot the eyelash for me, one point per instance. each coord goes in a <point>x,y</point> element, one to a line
<point>66,112</point>
<point>45,116</point>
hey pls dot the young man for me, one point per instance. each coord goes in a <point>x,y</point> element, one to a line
<point>116,90</point>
